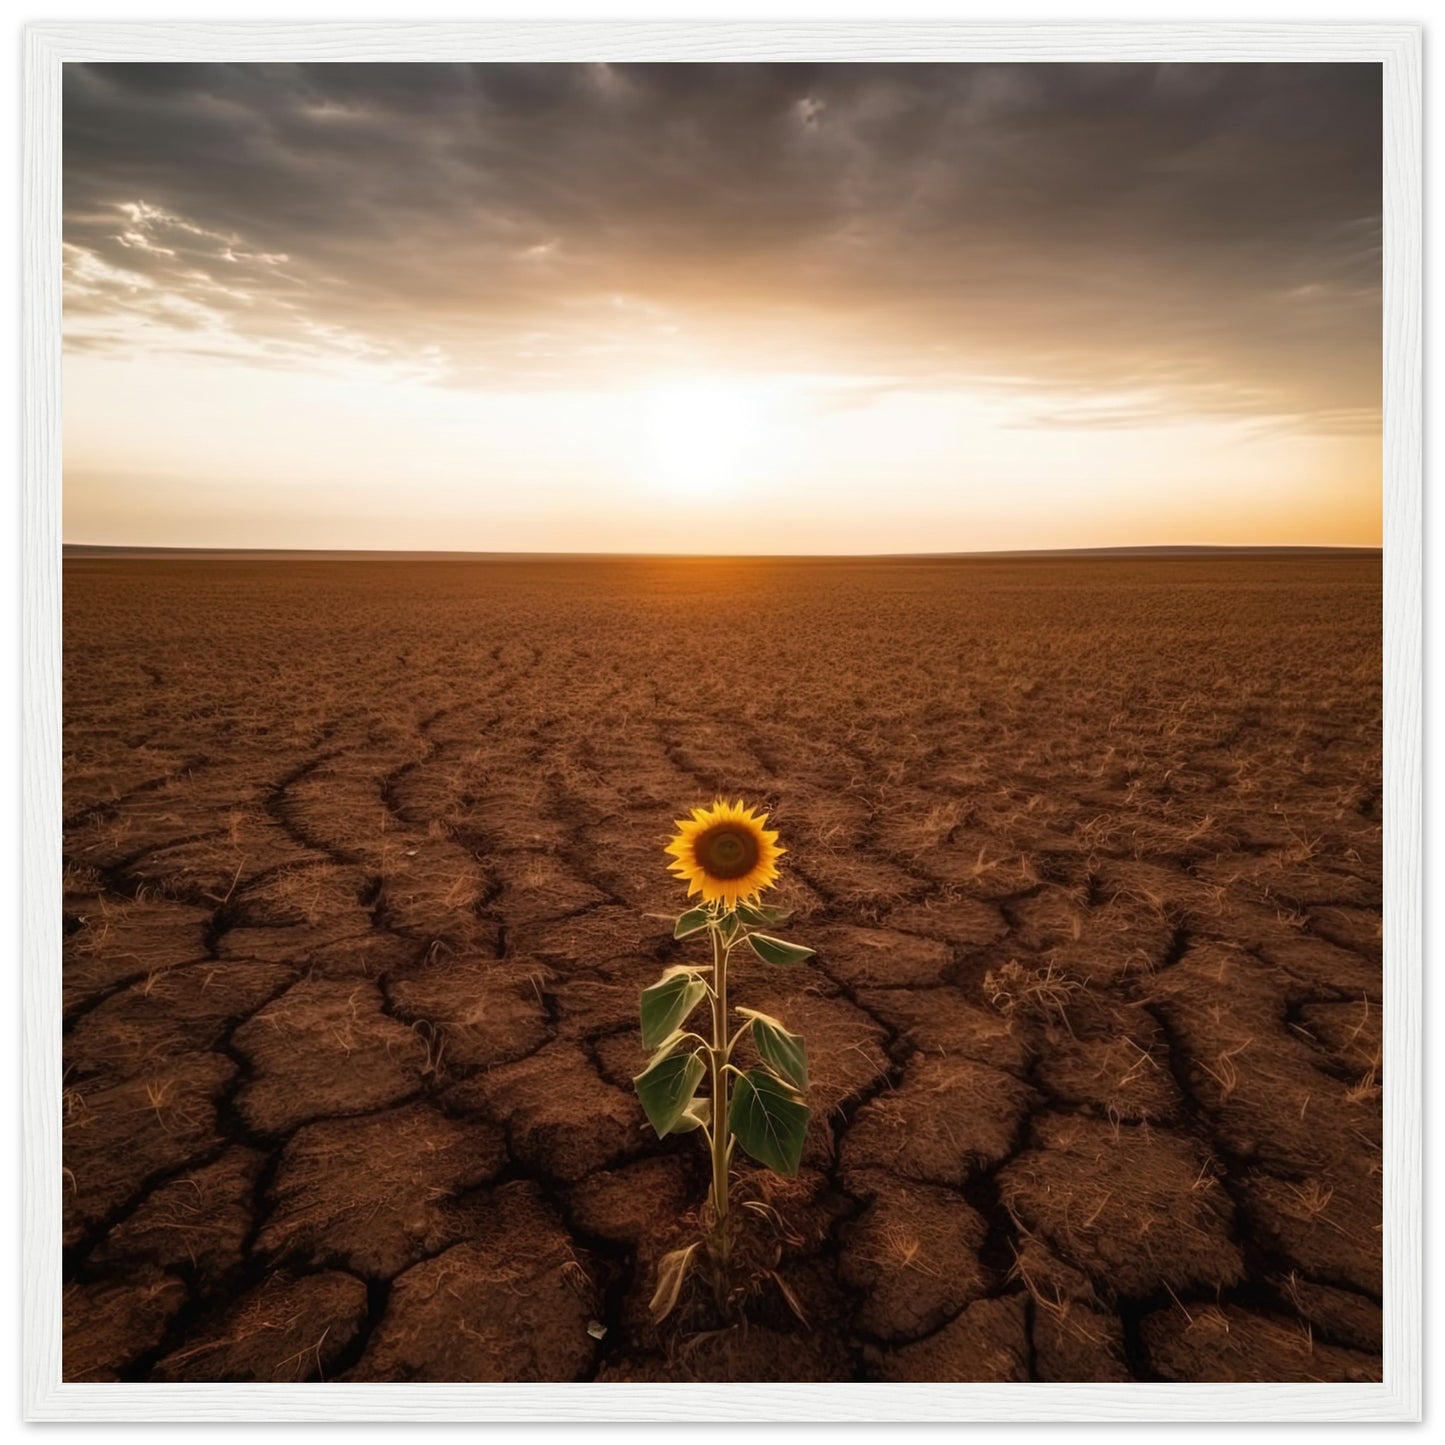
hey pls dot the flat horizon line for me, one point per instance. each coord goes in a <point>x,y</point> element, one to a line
<point>80,551</point>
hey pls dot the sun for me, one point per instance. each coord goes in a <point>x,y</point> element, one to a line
<point>698,436</point>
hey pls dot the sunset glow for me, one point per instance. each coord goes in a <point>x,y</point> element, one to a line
<point>702,437</point>
<point>817,309</point>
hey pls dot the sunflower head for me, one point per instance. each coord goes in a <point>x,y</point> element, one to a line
<point>725,852</point>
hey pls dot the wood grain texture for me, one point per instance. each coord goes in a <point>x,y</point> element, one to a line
<point>48,46</point>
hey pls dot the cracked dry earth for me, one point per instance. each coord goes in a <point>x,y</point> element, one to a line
<point>364,875</point>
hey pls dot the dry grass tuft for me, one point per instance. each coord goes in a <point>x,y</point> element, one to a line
<point>1041,993</point>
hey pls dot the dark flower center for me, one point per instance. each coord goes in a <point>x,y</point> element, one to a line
<point>726,851</point>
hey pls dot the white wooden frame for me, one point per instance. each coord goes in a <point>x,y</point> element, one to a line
<point>48,46</point>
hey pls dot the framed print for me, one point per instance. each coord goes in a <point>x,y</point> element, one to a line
<point>722,711</point>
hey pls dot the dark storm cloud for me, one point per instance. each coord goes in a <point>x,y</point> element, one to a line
<point>1202,232</point>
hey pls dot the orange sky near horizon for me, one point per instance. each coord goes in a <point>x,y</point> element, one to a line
<point>772,309</point>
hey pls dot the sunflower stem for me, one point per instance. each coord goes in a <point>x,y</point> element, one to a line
<point>720,1141</point>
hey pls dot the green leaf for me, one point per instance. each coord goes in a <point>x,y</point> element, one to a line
<point>729,927</point>
<point>667,1004</point>
<point>693,921</point>
<point>667,1046</point>
<point>666,1089</point>
<point>769,1121</point>
<point>697,1113</point>
<point>760,915</point>
<point>776,950</point>
<point>784,1052</point>
<point>754,1013</point>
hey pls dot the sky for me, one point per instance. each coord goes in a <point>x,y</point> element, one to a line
<point>846,308</point>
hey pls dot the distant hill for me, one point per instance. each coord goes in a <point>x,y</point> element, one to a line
<point>1174,551</point>
<point>83,550</point>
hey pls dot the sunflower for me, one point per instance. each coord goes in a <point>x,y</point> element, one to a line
<point>724,852</point>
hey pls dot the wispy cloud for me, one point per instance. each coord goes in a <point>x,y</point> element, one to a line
<point>1200,237</point>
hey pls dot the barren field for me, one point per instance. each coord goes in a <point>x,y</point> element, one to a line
<point>364,874</point>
